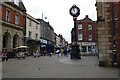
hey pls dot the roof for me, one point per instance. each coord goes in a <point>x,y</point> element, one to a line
<point>20,6</point>
<point>86,19</point>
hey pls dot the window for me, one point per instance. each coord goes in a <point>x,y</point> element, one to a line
<point>80,36</point>
<point>7,15</point>
<point>80,26</point>
<point>89,27</point>
<point>90,37</point>
<point>36,36</point>
<point>30,33</point>
<point>83,48</point>
<point>16,19</point>
<point>90,48</point>
<point>36,26</point>
<point>30,22</point>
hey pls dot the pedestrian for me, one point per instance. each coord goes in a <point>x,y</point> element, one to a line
<point>44,53</point>
<point>50,54</point>
<point>58,52</point>
<point>62,52</point>
<point>65,52</point>
<point>78,50</point>
<point>5,55</point>
<point>37,52</point>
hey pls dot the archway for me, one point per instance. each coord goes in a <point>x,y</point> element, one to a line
<point>6,40</point>
<point>15,41</point>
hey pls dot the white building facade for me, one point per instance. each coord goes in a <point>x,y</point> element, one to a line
<point>32,34</point>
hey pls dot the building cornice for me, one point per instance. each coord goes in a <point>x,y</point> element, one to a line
<point>32,18</point>
<point>11,25</point>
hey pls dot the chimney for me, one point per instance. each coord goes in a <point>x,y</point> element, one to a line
<point>87,16</point>
<point>48,22</point>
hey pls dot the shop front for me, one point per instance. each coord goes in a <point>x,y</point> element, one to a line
<point>50,48</point>
<point>33,46</point>
<point>43,48</point>
<point>87,48</point>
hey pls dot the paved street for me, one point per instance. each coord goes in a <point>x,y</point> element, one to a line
<point>54,67</point>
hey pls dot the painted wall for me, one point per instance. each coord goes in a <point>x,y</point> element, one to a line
<point>32,28</point>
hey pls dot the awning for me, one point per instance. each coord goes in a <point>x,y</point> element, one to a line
<point>20,47</point>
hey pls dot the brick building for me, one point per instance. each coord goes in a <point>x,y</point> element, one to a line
<point>108,22</point>
<point>86,35</point>
<point>12,18</point>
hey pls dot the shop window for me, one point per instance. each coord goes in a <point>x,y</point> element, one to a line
<point>83,48</point>
<point>89,48</point>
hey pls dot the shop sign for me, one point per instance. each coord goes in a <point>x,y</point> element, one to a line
<point>43,45</point>
<point>93,43</point>
<point>86,43</point>
<point>79,43</point>
<point>43,41</point>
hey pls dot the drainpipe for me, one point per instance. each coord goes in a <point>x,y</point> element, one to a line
<point>113,35</point>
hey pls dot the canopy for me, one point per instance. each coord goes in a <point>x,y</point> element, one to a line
<point>21,47</point>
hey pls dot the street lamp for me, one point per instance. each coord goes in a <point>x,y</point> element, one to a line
<point>75,12</point>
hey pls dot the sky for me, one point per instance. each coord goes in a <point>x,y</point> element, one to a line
<point>57,13</point>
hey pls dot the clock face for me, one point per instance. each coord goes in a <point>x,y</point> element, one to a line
<point>74,11</point>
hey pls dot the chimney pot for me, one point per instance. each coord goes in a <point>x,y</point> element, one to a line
<point>86,16</point>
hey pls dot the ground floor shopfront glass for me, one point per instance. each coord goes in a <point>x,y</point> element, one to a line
<point>88,48</point>
<point>34,46</point>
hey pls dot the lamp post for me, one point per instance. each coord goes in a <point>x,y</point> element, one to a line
<point>75,12</point>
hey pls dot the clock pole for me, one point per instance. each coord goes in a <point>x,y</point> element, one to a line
<point>75,12</point>
<point>75,30</point>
